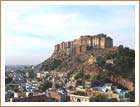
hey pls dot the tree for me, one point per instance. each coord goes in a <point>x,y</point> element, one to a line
<point>125,58</point>
<point>100,61</point>
<point>103,78</point>
<point>93,78</point>
<point>8,79</point>
<point>79,74</point>
<point>124,62</point>
<point>98,98</point>
<point>131,95</point>
<point>46,85</point>
<point>32,75</point>
<point>56,63</point>
<point>100,79</point>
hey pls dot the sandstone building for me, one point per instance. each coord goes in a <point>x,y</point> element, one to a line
<point>84,43</point>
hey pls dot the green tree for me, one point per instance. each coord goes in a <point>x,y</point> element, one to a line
<point>124,62</point>
<point>100,79</point>
<point>8,79</point>
<point>56,63</point>
<point>125,59</point>
<point>46,85</point>
<point>99,98</point>
<point>131,96</point>
<point>100,61</point>
<point>103,78</point>
<point>32,74</point>
<point>93,78</point>
<point>79,74</point>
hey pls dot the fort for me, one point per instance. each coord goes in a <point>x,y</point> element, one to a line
<point>84,43</point>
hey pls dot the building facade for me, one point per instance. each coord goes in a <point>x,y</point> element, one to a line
<point>84,43</point>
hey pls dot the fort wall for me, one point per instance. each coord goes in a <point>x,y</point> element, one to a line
<point>84,43</point>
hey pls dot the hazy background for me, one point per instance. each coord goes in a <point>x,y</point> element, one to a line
<point>32,31</point>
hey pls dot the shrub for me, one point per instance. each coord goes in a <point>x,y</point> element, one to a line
<point>98,98</point>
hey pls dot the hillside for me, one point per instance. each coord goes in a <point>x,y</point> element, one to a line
<point>94,63</point>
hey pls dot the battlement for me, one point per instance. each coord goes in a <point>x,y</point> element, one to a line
<point>84,43</point>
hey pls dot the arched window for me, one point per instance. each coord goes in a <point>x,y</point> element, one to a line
<point>78,100</point>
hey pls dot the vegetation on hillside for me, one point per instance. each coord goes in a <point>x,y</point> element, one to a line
<point>124,62</point>
<point>131,95</point>
<point>53,64</point>
<point>124,66</point>
<point>44,86</point>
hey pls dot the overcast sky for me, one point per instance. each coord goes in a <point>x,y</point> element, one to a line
<point>32,31</point>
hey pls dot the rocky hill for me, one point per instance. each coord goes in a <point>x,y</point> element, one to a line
<point>95,56</point>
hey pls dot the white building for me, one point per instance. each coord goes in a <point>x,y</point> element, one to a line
<point>108,86</point>
<point>15,95</point>
<point>77,98</point>
<point>38,75</point>
<point>109,61</point>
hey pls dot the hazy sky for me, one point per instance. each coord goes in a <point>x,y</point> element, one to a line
<point>32,31</point>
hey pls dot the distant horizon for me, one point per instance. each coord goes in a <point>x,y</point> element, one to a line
<point>33,31</point>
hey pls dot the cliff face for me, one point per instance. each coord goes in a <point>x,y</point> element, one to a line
<point>69,57</point>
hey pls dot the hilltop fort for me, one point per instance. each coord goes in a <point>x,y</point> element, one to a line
<point>83,44</point>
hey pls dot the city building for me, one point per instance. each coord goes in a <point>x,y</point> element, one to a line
<point>78,98</point>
